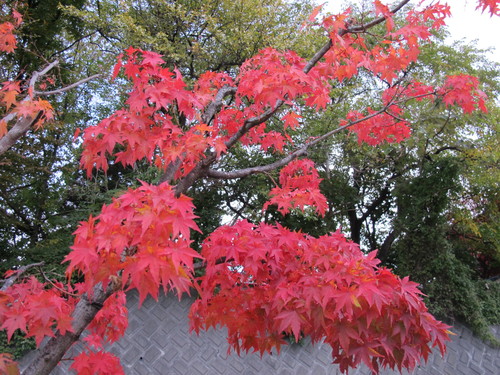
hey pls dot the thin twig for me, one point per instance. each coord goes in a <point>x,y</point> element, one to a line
<point>55,286</point>
<point>69,87</point>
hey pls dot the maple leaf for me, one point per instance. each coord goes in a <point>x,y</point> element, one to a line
<point>384,10</point>
<point>103,363</point>
<point>7,39</point>
<point>315,12</point>
<point>9,98</point>
<point>493,6</point>
<point>290,320</point>
<point>464,91</point>
<point>13,320</point>
<point>17,16</point>
<point>291,119</point>
<point>39,332</point>
<point>94,340</point>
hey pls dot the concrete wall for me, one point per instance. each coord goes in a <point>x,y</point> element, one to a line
<point>158,342</point>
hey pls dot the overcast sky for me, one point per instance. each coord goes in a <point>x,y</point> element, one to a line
<point>465,23</point>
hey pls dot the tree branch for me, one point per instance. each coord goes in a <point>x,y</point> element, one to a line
<point>49,354</point>
<point>377,202</point>
<point>69,87</point>
<point>19,129</point>
<point>216,104</point>
<point>254,121</point>
<point>23,124</point>
<point>282,162</point>
<point>376,21</point>
<point>12,279</point>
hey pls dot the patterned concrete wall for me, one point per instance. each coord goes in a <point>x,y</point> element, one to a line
<point>157,342</point>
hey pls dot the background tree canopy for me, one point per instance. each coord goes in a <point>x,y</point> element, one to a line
<point>430,204</point>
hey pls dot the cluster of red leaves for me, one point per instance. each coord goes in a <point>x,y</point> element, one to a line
<point>142,239</point>
<point>11,89</point>
<point>109,325</point>
<point>492,6</point>
<point>275,281</point>
<point>387,126</point>
<point>102,363</point>
<point>35,309</point>
<point>393,54</point>
<point>390,126</point>
<point>145,128</point>
<point>261,281</point>
<point>110,322</point>
<point>272,75</point>
<point>463,90</point>
<point>299,182</point>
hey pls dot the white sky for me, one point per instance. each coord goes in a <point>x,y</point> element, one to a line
<point>465,23</point>
<point>470,24</point>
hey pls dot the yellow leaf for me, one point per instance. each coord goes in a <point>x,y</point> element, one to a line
<point>355,301</point>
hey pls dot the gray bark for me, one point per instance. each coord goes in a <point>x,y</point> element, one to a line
<point>46,358</point>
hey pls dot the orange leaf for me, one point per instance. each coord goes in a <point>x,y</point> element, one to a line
<point>9,98</point>
<point>3,128</point>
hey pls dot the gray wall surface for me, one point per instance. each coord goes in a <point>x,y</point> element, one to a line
<point>157,342</point>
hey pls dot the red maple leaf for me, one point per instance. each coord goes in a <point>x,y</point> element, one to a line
<point>13,320</point>
<point>492,6</point>
<point>103,363</point>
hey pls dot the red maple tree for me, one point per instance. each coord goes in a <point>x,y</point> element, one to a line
<point>261,281</point>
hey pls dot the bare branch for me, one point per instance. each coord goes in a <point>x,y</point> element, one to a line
<point>19,129</point>
<point>216,104</point>
<point>69,87</point>
<point>55,286</point>
<point>41,73</point>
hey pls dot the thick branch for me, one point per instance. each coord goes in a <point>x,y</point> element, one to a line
<point>216,104</point>
<point>376,203</point>
<point>169,173</point>
<point>47,357</point>
<point>385,248</point>
<point>19,129</point>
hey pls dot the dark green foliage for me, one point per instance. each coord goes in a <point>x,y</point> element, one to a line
<point>17,346</point>
<point>453,288</point>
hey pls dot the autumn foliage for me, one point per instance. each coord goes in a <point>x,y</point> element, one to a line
<point>16,101</point>
<point>274,281</point>
<point>261,281</point>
